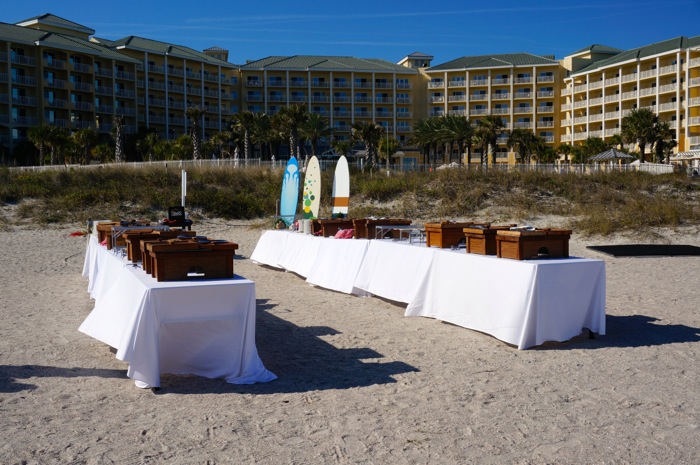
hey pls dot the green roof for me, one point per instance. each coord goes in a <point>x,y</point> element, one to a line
<point>154,46</point>
<point>678,43</point>
<point>494,61</point>
<point>597,48</point>
<point>56,21</point>
<point>326,63</point>
<point>29,36</point>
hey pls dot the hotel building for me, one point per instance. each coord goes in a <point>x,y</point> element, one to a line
<point>522,89</point>
<point>605,84</point>
<point>56,72</point>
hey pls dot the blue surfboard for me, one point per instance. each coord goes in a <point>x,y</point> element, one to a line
<point>290,192</point>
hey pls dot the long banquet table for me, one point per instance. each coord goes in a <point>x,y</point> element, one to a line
<point>205,328</point>
<point>524,303</point>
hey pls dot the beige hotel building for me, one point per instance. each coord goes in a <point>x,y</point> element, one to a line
<point>57,72</point>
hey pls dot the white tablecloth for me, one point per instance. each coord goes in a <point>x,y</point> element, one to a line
<point>524,303</point>
<point>205,328</point>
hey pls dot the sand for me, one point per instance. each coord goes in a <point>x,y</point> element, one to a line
<point>358,381</point>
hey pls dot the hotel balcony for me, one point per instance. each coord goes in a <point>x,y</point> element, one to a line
<point>566,138</point>
<point>500,111</point>
<point>478,111</point>
<point>297,98</point>
<point>522,125</point>
<point>629,95</point>
<point>612,132</point>
<point>100,90</point>
<point>565,91</point>
<point>404,114</point>
<point>457,98</point>
<point>668,88</point>
<point>437,99</point>
<point>104,109</point>
<point>125,93</point>
<point>207,93</point>
<point>566,122</point>
<point>319,84</point>
<point>436,112</point>
<point>384,100</point>
<point>522,80</point>
<point>362,114</point>
<point>23,60</point>
<point>363,85</point>
<point>176,104</point>
<point>297,83</point>
<point>647,91</point>
<point>24,80</point>
<point>629,77</point>
<point>612,81</point>
<point>581,104</point>
<point>384,85</point>
<point>545,124</point>
<point>457,83</point>
<point>612,98</point>
<point>276,83</point>
<point>83,124</point>
<point>545,94</point>
<point>595,101</point>
<point>176,71</point>
<point>403,85</point>
<point>341,98</point>
<point>56,103</point>
<point>500,96</point>
<point>596,117</point>
<point>545,109</point>
<point>25,121</point>
<point>23,100</point>
<point>476,97</point>
<point>404,100</point>
<point>581,120</point>
<point>126,111</point>
<point>342,127</point>
<point>522,110</point>
<point>82,87</point>
<point>156,69</point>
<point>341,114</point>
<point>157,102</point>
<point>545,79</point>
<point>694,121</point>
<point>55,64</point>
<point>500,81</point>
<point>404,129</point>
<point>341,85</point>
<point>125,75</point>
<point>595,85</point>
<point>253,98</point>
<point>522,95</point>
<point>276,98</point>
<point>253,83</point>
<point>650,73</point>
<point>82,68</point>
<point>668,106</point>
<point>479,82</point>
<point>436,85</point>
<point>457,112</point>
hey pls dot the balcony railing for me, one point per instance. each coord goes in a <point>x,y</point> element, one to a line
<point>522,125</point>
<point>611,98</point>
<point>81,67</point>
<point>478,97</point>
<point>629,95</point>
<point>403,85</point>
<point>457,98</point>
<point>125,93</point>
<point>23,60</point>
<point>612,81</point>
<point>545,78</point>
<point>276,83</point>
<point>522,95</point>
<point>522,80</point>
<point>23,100</point>
<point>403,100</point>
<point>103,90</point>
<point>479,82</point>
<point>156,102</point>
<point>175,71</point>
<point>437,99</point>
<point>629,77</point>
<point>668,88</point>
<point>383,85</point>
<point>500,96</point>
<point>319,98</point>
<point>500,111</point>
<point>125,75</point>
<point>156,69</point>
<point>25,121</point>
<point>545,94</point>
<point>404,114</point>
<point>596,117</point>
<point>668,106</point>
<point>363,85</point>
<point>298,98</point>
<point>647,91</point>
<point>647,74</point>
<point>522,110</point>
<point>436,85</point>
<point>83,106</point>
<point>319,84</point>
<point>545,124</point>
<point>457,83</point>
<point>595,85</point>
<point>24,80</point>
<point>56,64</point>
<point>104,72</point>
<point>580,103</point>
<point>126,111</point>
<point>545,109</point>
<point>341,85</point>
<point>457,112</point>
<point>56,103</point>
<point>82,86</point>
<point>478,111</point>
<point>612,115</point>
<point>105,109</point>
<point>176,104</point>
<point>253,83</point>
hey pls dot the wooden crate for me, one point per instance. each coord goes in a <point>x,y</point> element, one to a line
<point>134,238</point>
<point>331,226</point>
<point>444,234</point>
<point>213,261</point>
<point>482,240</point>
<point>148,249</point>
<point>104,232</point>
<point>360,227</point>
<point>540,243</point>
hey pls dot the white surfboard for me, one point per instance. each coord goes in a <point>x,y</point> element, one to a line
<point>312,190</point>
<point>341,188</point>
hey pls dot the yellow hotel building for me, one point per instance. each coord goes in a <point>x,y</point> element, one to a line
<point>57,72</point>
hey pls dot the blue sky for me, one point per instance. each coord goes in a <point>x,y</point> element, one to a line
<point>386,29</point>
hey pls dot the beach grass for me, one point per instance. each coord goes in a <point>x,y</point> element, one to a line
<point>599,203</point>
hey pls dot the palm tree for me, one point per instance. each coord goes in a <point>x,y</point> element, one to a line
<point>426,135</point>
<point>39,136</point>
<point>222,142</point>
<point>460,131</point>
<point>370,134</point>
<point>195,114</point>
<point>388,146</point>
<point>489,128</point>
<point>590,147</point>
<point>314,129</point>
<point>343,147</point>
<point>639,126</point>
<point>118,136</point>
<point>85,138</point>
<point>525,140</point>
<point>243,123</point>
<point>567,150</point>
<point>291,118</point>
<point>262,132</point>
<point>56,141</point>
<point>663,136</point>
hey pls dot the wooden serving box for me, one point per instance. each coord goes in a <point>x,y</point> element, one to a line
<point>331,226</point>
<point>482,239</point>
<point>539,243</point>
<point>104,231</point>
<point>180,262</point>
<point>372,224</point>
<point>134,238</point>
<point>444,234</point>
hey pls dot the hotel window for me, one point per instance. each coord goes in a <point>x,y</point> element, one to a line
<point>402,83</point>
<point>361,82</point>
<point>318,81</point>
<point>340,82</point>
<point>297,81</point>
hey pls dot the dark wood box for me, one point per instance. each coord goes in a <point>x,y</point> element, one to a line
<point>482,239</point>
<point>213,261</point>
<point>133,240</point>
<point>540,243</point>
<point>331,226</point>
<point>445,234</point>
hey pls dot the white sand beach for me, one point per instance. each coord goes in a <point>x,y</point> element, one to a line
<point>358,383</point>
